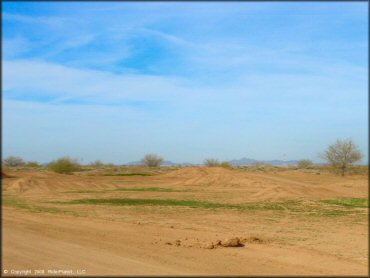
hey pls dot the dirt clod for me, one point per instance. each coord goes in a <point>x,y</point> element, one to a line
<point>209,246</point>
<point>254,239</point>
<point>232,242</point>
<point>217,243</point>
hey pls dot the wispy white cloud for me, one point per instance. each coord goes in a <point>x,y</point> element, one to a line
<point>61,83</point>
<point>14,47</point>
<point>24,77</point>
<point>51,21</point>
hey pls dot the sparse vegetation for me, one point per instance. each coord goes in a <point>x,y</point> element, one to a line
<point>211,162</point>
<point>298,208</point>
<point>349,202</point>
<point>19,204</point>
<point>147,202</point>
<point>152,160</point>
<point>97,164</point>
<point>305,164</point>
<point>342,155</point>
<point>64,165</point>
<point>13,161</point>
<point>261,166</point>
<point>32,164</point>
<point>226,164</point>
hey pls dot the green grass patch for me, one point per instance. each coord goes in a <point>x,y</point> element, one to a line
<point>331,212</point>
<point>19,204</point>
<point>293,208</point>
<point>348,202</point>
<point>263,206</point>
<point>10,202</point>
<point>147,202</point>
<point>127,174</point>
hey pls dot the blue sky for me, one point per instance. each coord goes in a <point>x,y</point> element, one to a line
<point>114,81</point>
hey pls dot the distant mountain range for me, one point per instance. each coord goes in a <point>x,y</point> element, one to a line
<point>249,161</point>
<point>234,162</point>
<point>165,163</point>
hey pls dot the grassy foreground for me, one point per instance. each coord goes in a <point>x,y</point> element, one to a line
<point>336,207</point>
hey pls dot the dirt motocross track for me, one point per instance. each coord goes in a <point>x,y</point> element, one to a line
<point>289,223</point>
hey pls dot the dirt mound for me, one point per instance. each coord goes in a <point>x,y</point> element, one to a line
<point>20,185</point>
<point>204,176</point>
<point>5,176</point>
<point>35,182</point>
<point>192,172</point>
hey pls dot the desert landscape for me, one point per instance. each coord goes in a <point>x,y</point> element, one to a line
<point>185,221</point>
<point>185,138</point>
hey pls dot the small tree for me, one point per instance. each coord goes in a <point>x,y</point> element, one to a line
<point>64,165</point>
<point>152,160</point>
<point>304,164</point>
<point>342,154</point>
<point>211,162</point>
<point>13,161</point>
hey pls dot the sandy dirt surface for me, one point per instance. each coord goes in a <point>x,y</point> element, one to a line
<point>281,217</point>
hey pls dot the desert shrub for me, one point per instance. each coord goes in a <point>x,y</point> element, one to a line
<point>211,162</point>
<point>64,165</point>
<point>261,166</point>
<point>225,164</point>
<point>13,161</point>
<point>152,160</point>
<point>305,164</point>
<point>258,165</point>
<point>32,164</point>
<point>360,169</point>
<point>97,163</point>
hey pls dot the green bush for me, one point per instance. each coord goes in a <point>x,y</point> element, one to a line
<point>64,165</point>
<point>226,164</point>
